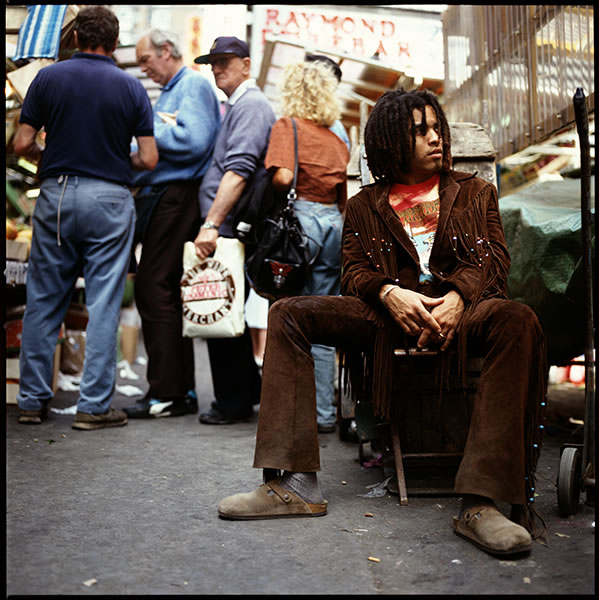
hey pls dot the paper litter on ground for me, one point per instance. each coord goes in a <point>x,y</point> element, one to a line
<point>129,390</point>
<point>71,410</point>
<point>377,490</point>
<point>68,383</point>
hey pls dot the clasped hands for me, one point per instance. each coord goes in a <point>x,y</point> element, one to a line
<point>431,319</point>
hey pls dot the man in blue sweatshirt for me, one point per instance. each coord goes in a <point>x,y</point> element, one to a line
<point>238,155</point>
<point>186,122</point>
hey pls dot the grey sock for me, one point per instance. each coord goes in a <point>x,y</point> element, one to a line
<point>304,485</point>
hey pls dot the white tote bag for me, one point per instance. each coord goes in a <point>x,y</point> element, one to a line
<point>213,291</point>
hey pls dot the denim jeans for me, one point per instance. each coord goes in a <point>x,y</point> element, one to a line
<point>324,225</point>
<point>81,227</point>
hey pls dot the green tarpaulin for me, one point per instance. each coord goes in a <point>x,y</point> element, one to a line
<point>543,230</point>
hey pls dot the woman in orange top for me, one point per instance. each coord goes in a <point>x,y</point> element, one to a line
<point>309,97</point>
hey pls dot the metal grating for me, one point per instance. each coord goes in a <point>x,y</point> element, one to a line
<point>515,68</point>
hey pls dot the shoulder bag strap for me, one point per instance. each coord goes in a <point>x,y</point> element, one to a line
<point>291,195</point>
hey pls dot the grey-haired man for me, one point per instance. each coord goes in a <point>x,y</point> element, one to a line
<point>186,121</point>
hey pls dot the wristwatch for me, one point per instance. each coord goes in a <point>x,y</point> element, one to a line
<point>209,225</point>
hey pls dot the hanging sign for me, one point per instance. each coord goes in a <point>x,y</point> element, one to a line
<point>404,41</point>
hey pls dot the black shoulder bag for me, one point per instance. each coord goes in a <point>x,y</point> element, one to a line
<point>259,201</point>
<point>280,264</point>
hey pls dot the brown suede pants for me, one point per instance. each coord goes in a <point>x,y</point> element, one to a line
<point>506,334</point>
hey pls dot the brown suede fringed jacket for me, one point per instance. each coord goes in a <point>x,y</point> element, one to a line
<point>469,255</point>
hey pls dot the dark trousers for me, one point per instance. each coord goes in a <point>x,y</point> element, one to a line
<point>235,376</point>
<point>506,334</point>
<point>175,220</point>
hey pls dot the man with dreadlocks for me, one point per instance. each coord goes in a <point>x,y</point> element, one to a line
<point>424,262</point>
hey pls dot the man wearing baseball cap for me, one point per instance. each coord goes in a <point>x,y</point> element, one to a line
<point>238,157</point>
<point>225,45</point>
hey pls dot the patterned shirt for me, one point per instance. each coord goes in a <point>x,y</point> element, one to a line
<point>417,207</point>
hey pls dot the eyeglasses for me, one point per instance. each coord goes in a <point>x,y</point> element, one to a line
<point>221,63</point>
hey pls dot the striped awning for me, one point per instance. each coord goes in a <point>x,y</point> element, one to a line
<point>39,36</point>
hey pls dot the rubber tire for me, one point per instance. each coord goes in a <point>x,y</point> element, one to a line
<point>568,482</point>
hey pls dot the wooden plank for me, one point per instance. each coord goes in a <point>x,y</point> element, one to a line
<point>399,471</point>
<point>15,16</point>
<point>432,424</point>
<point>21,79</point>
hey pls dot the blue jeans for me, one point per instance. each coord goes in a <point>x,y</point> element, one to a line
<point>324,226</point>
<point>81,227</point>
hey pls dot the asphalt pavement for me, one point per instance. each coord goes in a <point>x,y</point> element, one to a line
<point>133,511</point>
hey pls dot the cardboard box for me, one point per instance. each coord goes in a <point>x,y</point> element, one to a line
<point>11,392</point>
<point>129,337</point>
<point>72,353</point>
<point>21,78</point>
<point>17,250</point>
<point>12,368</point>
<point>57,352</point>
<point>13,375</point>
<point>12,380</point>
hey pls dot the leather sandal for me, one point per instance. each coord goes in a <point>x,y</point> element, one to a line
<point>485,527</point>
<point>269,501</point>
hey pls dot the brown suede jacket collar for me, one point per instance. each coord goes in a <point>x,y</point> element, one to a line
<point>449,188</point>
<point>469,223</point>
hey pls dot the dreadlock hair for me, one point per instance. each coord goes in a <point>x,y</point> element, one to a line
<point>390,133</point>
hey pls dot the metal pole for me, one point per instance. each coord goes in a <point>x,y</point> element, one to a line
<point>582,126</point>
<point>364,170</point>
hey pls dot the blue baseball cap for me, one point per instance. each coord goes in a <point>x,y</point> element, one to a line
<point>225,45</point>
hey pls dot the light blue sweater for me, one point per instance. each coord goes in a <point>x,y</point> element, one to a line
<point>241,147</point>
<point>184,149</point>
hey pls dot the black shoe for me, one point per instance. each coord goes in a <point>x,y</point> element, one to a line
<point>149,408</point>
<point>191,402</point>
<point>215,417</point>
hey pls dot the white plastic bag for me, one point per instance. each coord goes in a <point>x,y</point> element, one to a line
<point>213,291</point>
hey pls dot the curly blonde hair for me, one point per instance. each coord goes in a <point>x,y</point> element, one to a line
<point>308,92</point>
